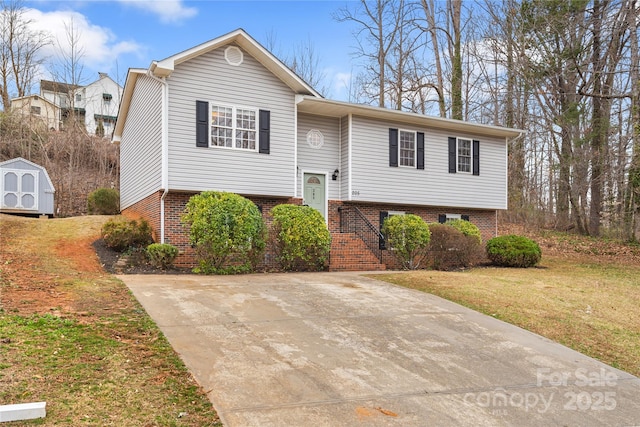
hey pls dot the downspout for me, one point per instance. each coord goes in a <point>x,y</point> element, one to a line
<point>165,149</point>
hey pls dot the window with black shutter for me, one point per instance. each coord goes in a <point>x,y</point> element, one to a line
<point>464,155</point>
<point>232,127</point>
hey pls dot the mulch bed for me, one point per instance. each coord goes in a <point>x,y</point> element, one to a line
<point>132,262</point>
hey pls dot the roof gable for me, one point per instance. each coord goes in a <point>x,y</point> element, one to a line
<point>165,67</point>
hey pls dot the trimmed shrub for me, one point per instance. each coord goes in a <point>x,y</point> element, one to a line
<point>123,234</point>
<point>103,201</point>
<point>227,231</point>
<point>407,236</point>
<point>162,255</point>
<point>450,249</point>
<point>467,228</point>
<point>301,237</point>
<point>513,251</point>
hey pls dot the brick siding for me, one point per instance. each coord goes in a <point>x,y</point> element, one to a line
<point>346,254</point>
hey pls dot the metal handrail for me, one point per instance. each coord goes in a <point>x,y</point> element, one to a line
<point>352,220</point>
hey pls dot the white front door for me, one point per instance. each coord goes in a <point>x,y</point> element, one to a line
<point>19,189</point>
<point>314,192</point>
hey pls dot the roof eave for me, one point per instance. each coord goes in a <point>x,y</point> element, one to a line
<point>125,102</point>
<point>313,105</point>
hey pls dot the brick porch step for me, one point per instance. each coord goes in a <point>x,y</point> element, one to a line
<point>350,253</point>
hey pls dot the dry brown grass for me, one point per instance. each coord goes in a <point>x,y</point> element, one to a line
<point>582,302</point>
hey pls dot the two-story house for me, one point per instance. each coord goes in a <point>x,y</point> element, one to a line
<point>94,105</point>
<point>228,115</point>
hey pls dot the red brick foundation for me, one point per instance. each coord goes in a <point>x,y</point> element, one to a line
<point>346,254</point>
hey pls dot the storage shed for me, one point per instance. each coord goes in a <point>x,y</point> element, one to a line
<point>25,188</point>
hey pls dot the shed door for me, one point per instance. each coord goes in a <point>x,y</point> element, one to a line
<point>314,192</point>
<point>19,189</point>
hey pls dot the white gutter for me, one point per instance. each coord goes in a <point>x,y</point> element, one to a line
<point>165,149</point>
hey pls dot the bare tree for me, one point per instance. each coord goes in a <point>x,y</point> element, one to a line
<point>20,49</point>
<point>377,27</point>
<point>306,63</point>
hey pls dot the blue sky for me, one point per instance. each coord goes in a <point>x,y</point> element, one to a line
<point>120,34</point>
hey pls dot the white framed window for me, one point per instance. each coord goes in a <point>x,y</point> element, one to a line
<point>464,155</point>
<point>407,148</point>
<point>234,127</point>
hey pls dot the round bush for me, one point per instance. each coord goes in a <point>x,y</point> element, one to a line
<point>123,234</point>
<point>162,255</point>
<point>467,228</point>
<point>408,237</point>
<point>513,251</point>
<point>227,230</point>
<point>302,239</point>
<point>103,201</point>
<point>450,249</point>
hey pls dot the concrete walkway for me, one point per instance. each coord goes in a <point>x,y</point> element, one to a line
<point>339,349</point>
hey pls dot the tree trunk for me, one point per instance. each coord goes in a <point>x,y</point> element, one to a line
<point>455,7</point>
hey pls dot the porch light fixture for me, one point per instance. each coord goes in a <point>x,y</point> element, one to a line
<point>335,174</point>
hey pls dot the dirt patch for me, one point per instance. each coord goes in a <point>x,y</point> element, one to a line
<point>80,253</point>
<point>41,273</point>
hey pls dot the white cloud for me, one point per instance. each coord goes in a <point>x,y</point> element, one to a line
<point>341,85</point>
<point>169,11</point>
<point>98,45</point>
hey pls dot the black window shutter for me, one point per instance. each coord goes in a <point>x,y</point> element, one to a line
<point>464,217</point>
<point>393,147</point>
<point>420,151</point>
<point>452,155</point>
<point>442,218</point>
<point>264,137</point>
<point>202,124</point>
<point>383,216</point>
<point>476,157</point>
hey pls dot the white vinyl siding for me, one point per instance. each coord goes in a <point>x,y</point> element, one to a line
<point>141,144</point>
<point>344,158</point>
<point>209,77</point>
<point>324,159</point>
<point>374,181</point>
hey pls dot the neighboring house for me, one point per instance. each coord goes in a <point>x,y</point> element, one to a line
<point>227,115</point>
<point>25,188</point>
<point>94,105</point>
<point>38,110</point>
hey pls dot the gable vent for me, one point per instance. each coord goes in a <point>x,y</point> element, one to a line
<point>233,55</point>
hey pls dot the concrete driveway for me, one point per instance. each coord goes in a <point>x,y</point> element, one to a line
<point>339,349</point>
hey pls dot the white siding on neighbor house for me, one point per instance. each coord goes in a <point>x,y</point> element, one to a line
<point>210,78</point>
<point>344,158</point>
<point>95,104</point>
<point>374,180</point>
<point>325,159</point>
<point>141,144</point>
